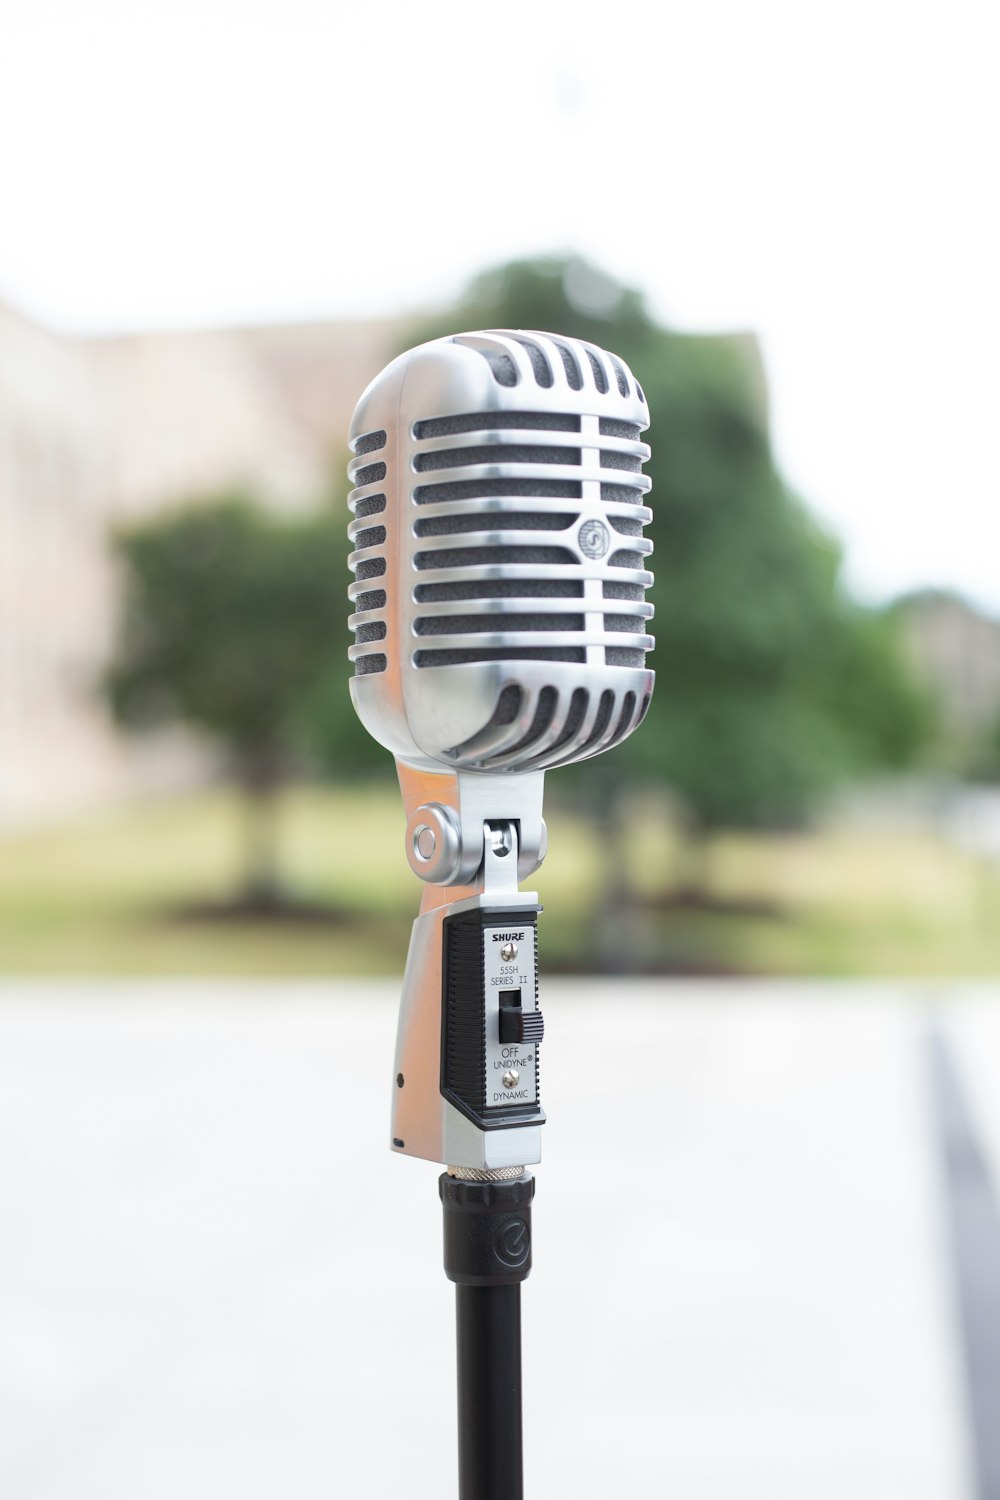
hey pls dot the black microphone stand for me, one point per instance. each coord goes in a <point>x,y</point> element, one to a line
<point>487,1254</point>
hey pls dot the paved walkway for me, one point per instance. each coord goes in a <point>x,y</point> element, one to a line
<point>217,1284</point>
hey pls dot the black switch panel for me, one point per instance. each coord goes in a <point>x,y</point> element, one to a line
<point>478,984</point>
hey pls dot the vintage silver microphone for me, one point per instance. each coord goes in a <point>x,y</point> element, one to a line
<point>500,629</point>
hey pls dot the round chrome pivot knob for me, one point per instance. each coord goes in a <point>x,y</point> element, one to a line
<point>434,843</point>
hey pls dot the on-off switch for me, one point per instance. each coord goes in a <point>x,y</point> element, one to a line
<point>517,1025</point>
<point>532,1026</point>
<point>511,1015</point>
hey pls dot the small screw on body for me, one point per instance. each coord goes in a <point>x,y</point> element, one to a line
<point>511,1079</point>
<point>508,952</point>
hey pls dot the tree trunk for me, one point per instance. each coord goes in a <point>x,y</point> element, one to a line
<point>617,936</point>
<point>693,863</point>
<point>260,779</point>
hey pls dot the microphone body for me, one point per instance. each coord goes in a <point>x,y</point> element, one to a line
<point>500,626</point>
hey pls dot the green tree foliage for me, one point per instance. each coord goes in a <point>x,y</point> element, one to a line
<point>771,685</point>
<point>981,761</point>
<point>231,616</point>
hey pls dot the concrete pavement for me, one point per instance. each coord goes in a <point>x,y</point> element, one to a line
<point>215,1280</point>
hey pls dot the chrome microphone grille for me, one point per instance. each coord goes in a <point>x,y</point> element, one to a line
<point>500,593</point>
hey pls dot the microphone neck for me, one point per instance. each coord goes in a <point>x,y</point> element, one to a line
<point>453,822</point>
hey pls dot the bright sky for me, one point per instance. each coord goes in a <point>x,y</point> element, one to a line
<point>825,174</point>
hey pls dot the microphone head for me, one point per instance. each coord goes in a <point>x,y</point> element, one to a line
<point>499,566</point>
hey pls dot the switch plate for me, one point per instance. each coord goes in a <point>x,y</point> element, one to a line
<point>518,974</point>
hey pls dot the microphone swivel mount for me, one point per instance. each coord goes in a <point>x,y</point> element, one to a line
<point>471,838</point>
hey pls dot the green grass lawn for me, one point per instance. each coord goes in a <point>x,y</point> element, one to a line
<point>108,896</point>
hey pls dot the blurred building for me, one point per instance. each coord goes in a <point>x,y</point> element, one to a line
<point>955,651</point>
<point>95,432</point>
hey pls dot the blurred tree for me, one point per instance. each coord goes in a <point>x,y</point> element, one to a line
<point>230,619</point>
<point>982,760</point>
<point>771,685</point>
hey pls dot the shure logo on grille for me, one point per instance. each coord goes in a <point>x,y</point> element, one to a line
<point>508,937</point>
<point>594,539</point>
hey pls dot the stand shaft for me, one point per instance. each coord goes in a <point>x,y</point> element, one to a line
<point>487,1253</point>
<point>488,1323</point>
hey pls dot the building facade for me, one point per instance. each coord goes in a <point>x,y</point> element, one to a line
<point>95,433</point>
<point>954,649</point>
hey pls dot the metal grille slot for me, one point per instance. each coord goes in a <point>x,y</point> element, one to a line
<point>574,718</point>
<point>375,631</point>
<point>629,624</point>
<point>479,557</point>
<point>499,520</point>
<point>481,489</point>
<point>457,655</point>
<point>501,421</point>
<point>372,536</point>
<point>614,590</point>
<point>621,494</point>
<point>498,453</point>
<point>508,706</point>
<point>539,364</point>
<point>541,719</point>
<point>504,588</point>
<point>373,661</point>
<point>486,624</point>
<point>503,368</point>
<point>604,711</point>
<point>600,378</point>
<point>623,559</point>
<point>371,442</point>
<point>625,718</point>
<point>621,378</point>
<point>615,427</point>
<point>372,599</point>
<point>372,505</point>
<point>573,377</point>
<point>612,459</point>
<point>370,474</point>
